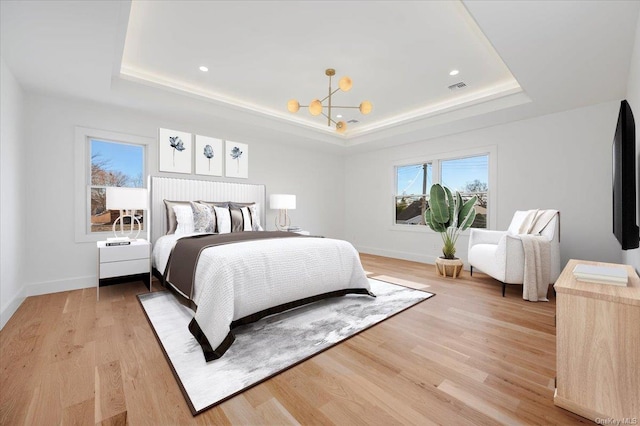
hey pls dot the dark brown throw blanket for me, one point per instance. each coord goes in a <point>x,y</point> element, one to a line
<point>181,266</point>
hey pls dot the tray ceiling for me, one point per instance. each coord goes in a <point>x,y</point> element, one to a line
<point>261,54</point>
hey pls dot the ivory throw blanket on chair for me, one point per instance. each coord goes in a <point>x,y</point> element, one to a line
<point>537,254</point>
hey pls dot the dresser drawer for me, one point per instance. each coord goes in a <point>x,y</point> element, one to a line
<point>119,253</point>
<point>126,267</point>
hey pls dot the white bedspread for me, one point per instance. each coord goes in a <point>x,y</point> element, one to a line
<point>240,279</point>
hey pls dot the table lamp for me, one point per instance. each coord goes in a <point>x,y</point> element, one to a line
<point>282,202</point>
<point>127,201</point>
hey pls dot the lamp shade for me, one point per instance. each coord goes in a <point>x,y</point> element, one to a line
<point>315,107</point>
<point>282,201</point>
<point>293,105</point>
<point>119,198</point>
<point>366,107</point>
<point>345,84</point>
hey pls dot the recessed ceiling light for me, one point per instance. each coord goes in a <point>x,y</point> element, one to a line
<point>339,115</point>
<point>454,72</point>
<point>204,69</point>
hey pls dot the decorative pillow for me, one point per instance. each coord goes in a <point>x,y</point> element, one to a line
<point>237,221</point>
<point>223,218</point>
<point>246,219</point>
<point>171,215</point>
<point>203,218</point>
<point>254,212</point>
<point>184,219</point>
<point>254,209</point>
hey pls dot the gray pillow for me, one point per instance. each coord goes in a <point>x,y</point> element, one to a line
<point>204,220</point>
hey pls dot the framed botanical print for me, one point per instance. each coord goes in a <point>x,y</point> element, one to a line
<point>236,160</point>
<point>174,149</point>
<point>209,156</point>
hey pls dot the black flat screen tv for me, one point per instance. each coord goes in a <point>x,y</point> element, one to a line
<point>624,180</point>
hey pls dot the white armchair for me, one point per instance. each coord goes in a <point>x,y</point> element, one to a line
<point>500,254</point>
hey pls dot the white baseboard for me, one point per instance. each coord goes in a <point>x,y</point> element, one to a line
<point>395,254</point>
<point>56,286</point>
<point>11,308</point>
<point>423,258</point>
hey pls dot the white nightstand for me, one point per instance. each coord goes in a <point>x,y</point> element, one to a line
<point>121,261</point>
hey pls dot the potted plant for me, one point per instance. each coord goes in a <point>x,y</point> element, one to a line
<point>449,216</point>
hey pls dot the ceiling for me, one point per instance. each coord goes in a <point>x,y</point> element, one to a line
<point>261,54</point>
<point>518,59</point>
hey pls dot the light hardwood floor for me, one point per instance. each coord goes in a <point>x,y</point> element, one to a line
<point>465,356</point>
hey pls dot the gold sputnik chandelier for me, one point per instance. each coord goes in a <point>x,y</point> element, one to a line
<point>316,106</point>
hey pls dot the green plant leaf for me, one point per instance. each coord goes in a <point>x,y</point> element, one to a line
<point>428,218</point>
<point>451,205</point>
<point>456,211</point>
<point>438,205</point>
<point>467,214</point>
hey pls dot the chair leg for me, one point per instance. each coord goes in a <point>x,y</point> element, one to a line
<point>504,287</point>
<point>471,271</point>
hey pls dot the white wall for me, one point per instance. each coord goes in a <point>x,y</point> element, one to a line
<point>11,212</point>
<point>632,257</point>
<point>560,161</point>
<point>56,262</point>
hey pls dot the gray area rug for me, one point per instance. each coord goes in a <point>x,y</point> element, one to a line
<point>269,346</point>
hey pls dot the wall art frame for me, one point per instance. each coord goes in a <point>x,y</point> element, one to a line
<point>209,155</point>
<point>236,160</point>
<point>174,151</point>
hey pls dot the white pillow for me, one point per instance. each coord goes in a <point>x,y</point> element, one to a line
<point>223,218</point>
<point>184,219</point>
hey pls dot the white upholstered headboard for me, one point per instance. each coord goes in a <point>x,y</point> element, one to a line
<point>163,188</point>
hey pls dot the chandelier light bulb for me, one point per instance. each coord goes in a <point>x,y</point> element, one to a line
<point>293,105</point>
<point>345,84</point>
<point>366,107</point>
<point>315,107</point>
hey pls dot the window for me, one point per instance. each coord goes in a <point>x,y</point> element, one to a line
<point>467,174</point>
<point>104,159</point>
<point>112,164</point>
<point>413,183</point>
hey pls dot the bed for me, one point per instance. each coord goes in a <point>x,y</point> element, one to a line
<point>231,271</point>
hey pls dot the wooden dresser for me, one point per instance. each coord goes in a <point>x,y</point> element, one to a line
<point>598,346</point>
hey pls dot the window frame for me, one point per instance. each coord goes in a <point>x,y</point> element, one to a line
<point>83,136</point>
<point>436,159</point>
